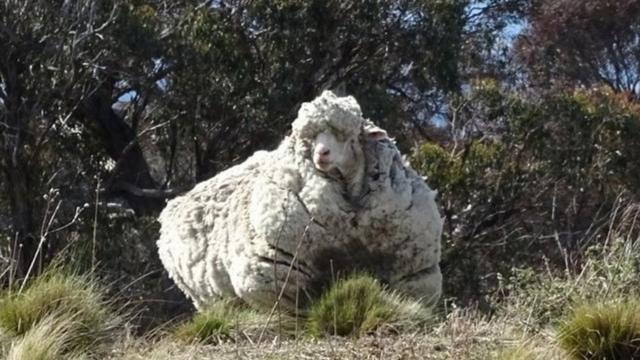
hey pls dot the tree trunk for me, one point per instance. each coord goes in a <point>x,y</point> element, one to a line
<point>18,185</point>
<point>120,143</point>
<point>17,189</point>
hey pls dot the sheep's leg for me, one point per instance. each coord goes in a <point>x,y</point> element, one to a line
<point>267,283</point>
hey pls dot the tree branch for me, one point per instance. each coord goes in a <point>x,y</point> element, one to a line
<point>146,193</point>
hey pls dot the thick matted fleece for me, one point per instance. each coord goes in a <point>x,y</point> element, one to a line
<point>276,229</point>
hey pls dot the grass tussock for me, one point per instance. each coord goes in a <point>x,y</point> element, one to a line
<point>211,326</point>
<point>359,305</point>
<point>602,330</point>
<point>227,320</point>
<point>50,339</point>
<point>73,307</point>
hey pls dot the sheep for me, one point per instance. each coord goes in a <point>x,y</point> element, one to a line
<point>333,197</point>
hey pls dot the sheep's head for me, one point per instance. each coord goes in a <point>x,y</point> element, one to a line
<point>332,128</point>
<point>334,151</point>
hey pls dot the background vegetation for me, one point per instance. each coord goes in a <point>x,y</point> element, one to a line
<point>523,114</point>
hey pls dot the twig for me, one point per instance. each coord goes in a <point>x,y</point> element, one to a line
<point>275,262</point>
<point>143,192</point>
<point>286,280</point>
<point>15,250</point>
<point>95,228</point>
<point>335,305</point>
<point>43,237</point>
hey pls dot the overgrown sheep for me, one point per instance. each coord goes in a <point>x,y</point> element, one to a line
<point>334,197</point>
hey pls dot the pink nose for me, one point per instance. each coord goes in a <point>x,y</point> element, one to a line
<point>322,151</point>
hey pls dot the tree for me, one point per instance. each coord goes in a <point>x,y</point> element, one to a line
<point>489,30</point>
<point>146,98</point>
<point>58,83</point>
<point>530,179</point>
<point>584,43</point>
<point>241,69</point>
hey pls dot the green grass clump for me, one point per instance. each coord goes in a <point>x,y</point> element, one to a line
<point>607,330</point>
<point>217,323</point>
<point>210,327</point>
<point>359,305</point>
<point>56,301</point>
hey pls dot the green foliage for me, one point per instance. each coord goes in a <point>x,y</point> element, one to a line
<point>602,330</point>
<point>61,302</point>
<point>258,64</point>
<point>441,167</point>
<point>457,170</point>
<point>523,174</point>
<point>359,305</point>
<point>137,29</point>
<point>594,307</point>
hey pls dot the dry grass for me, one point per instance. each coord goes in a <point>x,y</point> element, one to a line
<point>5,343</point>
<point>463,334</point>
<point>50,339</point>
<point>522,327</point>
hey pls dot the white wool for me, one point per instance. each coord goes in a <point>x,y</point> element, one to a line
<point>275,221</point>
<point>328,111</point>
<point>402,219</point>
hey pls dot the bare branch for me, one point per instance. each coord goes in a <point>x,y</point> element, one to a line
<point>149,193</point>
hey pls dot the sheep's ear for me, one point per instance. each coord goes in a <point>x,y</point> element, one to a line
<point>376,133</point>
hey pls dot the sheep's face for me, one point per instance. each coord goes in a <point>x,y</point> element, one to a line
<point>335,152</point>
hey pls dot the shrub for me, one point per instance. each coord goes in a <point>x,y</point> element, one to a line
<point>359,305</point>
<point>602,330</point>
<point>523,174</point>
